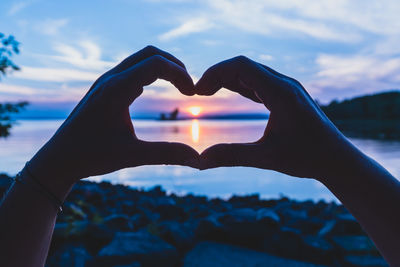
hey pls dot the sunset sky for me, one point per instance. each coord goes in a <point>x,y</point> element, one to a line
<point>337,49</point>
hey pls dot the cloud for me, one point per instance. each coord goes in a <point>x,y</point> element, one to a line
<point>190,26</point>
<point>265,57</point>
<point>346,70</point>
<point>17,7</point>
<point>51,26</point>
<point>87,56</point>
<point>354,74</point>
<point>16,89</point>
<point>58,93</point>
<point>340,21</point>
<point>55,74</point>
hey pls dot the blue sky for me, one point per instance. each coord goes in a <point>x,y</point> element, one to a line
<point>336,49</point>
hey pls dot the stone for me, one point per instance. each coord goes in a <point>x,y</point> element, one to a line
<point>69,256</point>
<point>268,217</point>
<point>318,250</point>
<point>364,261</point>
<point>92,236</point>
<point>209,228</point>
<point>357,244</point>
<point>346,224</point>
<point>343,224</point>
<point>180,235</point>
<point>287,242</point>
<point>139,220</point>
<point>213,254</point>
<point>133,264</point>
<point>327,229</point>
<point>242,228</point>
<point>118,222</point>
<point>170,212</point>
<point>141,247</point>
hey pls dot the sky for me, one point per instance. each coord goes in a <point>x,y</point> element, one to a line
<point>336,49</point>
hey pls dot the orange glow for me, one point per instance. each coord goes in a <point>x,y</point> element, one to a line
<point>195,131</point>
<point>195,110</point>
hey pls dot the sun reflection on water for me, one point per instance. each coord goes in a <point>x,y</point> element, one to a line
<point>195,131</point>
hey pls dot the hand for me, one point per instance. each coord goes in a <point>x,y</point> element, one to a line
<point>98,137</point>
<point>299,139</point>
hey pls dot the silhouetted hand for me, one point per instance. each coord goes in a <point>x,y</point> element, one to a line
<point>299,139</point>
<point>98,136</point>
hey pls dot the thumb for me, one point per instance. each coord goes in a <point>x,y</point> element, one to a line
<point>227,155</point>
<point>158,153</point>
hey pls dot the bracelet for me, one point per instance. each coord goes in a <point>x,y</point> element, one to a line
<point>39,187</point>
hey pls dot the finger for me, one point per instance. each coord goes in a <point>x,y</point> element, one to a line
<point>241,88</point>
<point>239,69</point>
<point>228,155</point>
<point>146,52</point>
<point>157,153</point>
<point>152,68</point>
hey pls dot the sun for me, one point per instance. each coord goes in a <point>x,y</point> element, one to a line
<point>195,110</point>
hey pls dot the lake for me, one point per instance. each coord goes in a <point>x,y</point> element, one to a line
<point>29,135</point>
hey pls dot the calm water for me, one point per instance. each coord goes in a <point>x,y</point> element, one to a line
<point>28,136</point>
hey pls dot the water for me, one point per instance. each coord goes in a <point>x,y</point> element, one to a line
<point>28,136</point>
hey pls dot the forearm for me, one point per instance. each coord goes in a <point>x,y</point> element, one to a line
<point>372,195</point>
<point>27,219</point>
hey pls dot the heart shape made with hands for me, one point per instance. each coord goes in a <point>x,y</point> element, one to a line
<point>98,137</point>
<point>293,126</point>
<point>214,79</point>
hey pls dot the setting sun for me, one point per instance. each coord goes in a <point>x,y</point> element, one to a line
<point>195,111</point>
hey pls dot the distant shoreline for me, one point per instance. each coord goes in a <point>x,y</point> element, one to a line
<point>244,116</point>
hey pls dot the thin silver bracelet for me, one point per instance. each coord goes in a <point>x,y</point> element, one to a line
<point>34,183</point>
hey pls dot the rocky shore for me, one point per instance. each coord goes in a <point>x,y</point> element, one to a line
<point>114,225</point>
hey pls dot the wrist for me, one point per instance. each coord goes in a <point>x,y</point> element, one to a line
<point>344,162</point>
<point>51,175</point>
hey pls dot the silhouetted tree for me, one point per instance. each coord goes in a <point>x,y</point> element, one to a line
<point>9,47</point>
<point>372,116</point>
<point>174,114</point>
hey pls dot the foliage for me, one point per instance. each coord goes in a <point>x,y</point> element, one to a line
<point>382,106</point>
<point>371,116</point>
<point>6,109</point>
<point>9,47</point>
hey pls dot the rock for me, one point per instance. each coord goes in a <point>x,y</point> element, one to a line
<point>5,181</point>
<point>69,256</point>
<point>210,228</point>
<point>180,235</point>
<point>140,247</point>
<point>170,212</point>
<point>197,211</point>
<point>343,224</point>
<point>70,230</point>
<point>75,211</point>
<point>317,250</point>
<point>287,242</point>
<point>355,244</point>
<point>298,219</point>
<point>92,236</point>
<point>268,217</point>
<point>327,229</point>
<point>245,201</point>
<point>346,224</point>
<point>138,221</point>
<point>242,227</point>
<point>212,254</point>
<point>364,261</point>
<point>128,207</point>
<point>118,223</point>
<point>133,264</point>
<point>156,191</point>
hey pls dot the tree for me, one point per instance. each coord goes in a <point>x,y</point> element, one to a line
<point>8,47</point>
